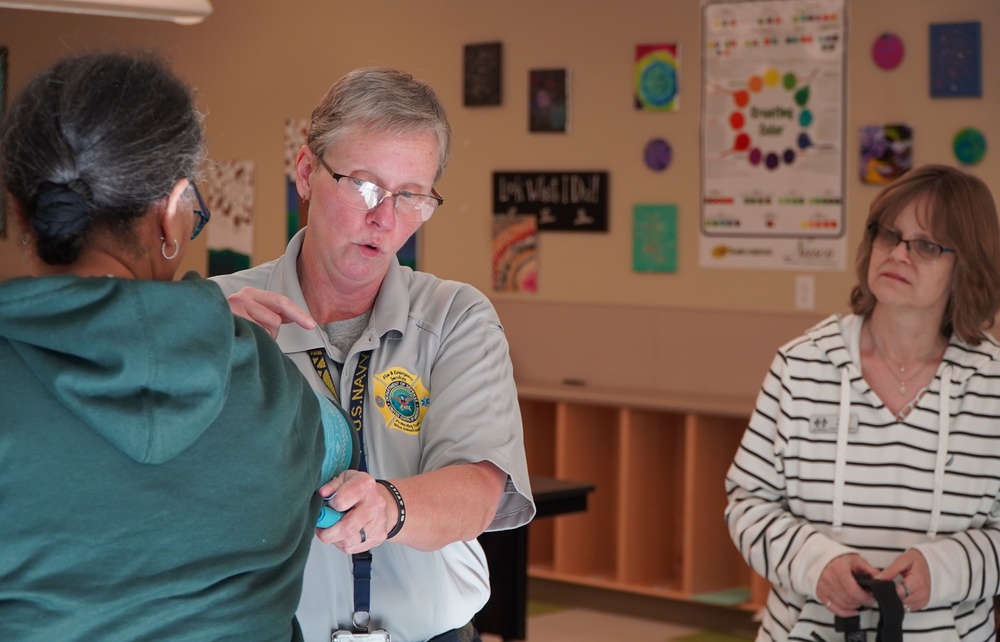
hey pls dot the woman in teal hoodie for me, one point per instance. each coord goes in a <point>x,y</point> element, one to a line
<point>158,455</point>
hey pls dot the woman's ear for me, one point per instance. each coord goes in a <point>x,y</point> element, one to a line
<point>176,222</point>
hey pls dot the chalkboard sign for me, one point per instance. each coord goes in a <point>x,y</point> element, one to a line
<point>570,201</point>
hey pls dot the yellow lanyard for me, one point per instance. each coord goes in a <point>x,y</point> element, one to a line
<point>319,359</point>
<point>318,356</point>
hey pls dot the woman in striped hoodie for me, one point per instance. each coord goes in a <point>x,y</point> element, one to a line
<point>874,446</point>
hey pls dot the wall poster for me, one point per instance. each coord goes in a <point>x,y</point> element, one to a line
<point>654,238</point>
<point>228,192</point>
<point>773,111</point>
<point>886,153</point>
<point>548,100</point>
<point>955,60</point>
<point>564,201</point>
<point>482,74</point>
<point>656,81</point>
<point>515,253</point>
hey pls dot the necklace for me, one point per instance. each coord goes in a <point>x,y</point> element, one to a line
<point>902,372</point>
<point>902,379</point>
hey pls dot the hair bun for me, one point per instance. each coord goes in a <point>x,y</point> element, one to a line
<point>60,211</point>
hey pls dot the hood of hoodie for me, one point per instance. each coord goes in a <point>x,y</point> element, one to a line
<point>959,363</point>
<point>143,363</point>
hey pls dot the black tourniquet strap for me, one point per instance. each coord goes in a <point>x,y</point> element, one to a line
<point>890,625</point>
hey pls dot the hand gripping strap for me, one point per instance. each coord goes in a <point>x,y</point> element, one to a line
<point>890,625</point>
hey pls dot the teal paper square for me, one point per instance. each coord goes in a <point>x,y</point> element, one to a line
<point>654,238</point>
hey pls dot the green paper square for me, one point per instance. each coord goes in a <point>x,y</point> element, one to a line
<point>654,238</point>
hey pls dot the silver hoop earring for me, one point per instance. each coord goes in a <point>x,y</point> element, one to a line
<point>163,250</point>
<point>25,239</point>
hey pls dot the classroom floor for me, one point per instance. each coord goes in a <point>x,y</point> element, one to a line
<point>554,623</point>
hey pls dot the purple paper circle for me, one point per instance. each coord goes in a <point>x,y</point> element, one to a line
<point>887,51</point>
<point>658,154</point>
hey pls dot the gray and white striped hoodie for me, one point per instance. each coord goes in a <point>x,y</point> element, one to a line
<point>824,468</point>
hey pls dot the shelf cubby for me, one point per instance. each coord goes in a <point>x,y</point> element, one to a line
<point>654,523</point>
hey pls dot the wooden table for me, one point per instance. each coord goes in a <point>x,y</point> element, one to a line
<point>507,554</point>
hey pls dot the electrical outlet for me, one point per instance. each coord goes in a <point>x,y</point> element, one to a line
<point>805,292</point>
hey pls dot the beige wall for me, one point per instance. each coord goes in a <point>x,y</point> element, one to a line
<point>256,63</point>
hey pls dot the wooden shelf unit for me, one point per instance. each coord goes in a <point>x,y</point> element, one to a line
<point>655,523</point>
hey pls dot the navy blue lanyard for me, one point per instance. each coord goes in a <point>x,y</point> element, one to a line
<point>359,388</point>
<point>361,562</point>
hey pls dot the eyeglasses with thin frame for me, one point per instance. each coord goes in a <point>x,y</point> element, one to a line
<point>920,249</point>
<point>202,212</point>
<point>360,194</point>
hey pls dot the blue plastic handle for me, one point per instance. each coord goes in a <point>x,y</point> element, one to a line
<point>328,517</point>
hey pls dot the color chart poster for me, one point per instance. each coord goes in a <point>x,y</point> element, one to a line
<point>773,135</point>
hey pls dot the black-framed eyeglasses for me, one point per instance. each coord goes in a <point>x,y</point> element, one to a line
<point>920,249</point>
<point>201,211</point>
<point>360,194</point>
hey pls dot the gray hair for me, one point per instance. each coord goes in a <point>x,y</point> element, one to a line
<point>380,101</point>
<point>93,142</point>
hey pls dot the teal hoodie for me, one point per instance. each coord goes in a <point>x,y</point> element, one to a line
<point>158,458</point>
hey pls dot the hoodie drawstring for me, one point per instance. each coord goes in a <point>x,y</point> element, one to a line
<point>944,420</point>
<point>840,463</point>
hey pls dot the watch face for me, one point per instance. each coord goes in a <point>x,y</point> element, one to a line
<point>658,154</point>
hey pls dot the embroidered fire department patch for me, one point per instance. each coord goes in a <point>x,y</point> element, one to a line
<point>401,398</point>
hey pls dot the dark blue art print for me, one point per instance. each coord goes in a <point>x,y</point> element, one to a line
<point>955,60</point>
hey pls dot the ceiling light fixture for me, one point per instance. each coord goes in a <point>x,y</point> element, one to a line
<point>184,12</point>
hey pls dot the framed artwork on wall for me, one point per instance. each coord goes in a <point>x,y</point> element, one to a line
<point>655,77</point>
<point>571,201</point>
<point>654,238</point>
<point>483,74</point>
<point>229,194</point>
<point>955,64</point>
<point>886,153</point>
<point>515,253</point>
<point>548,101</point>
